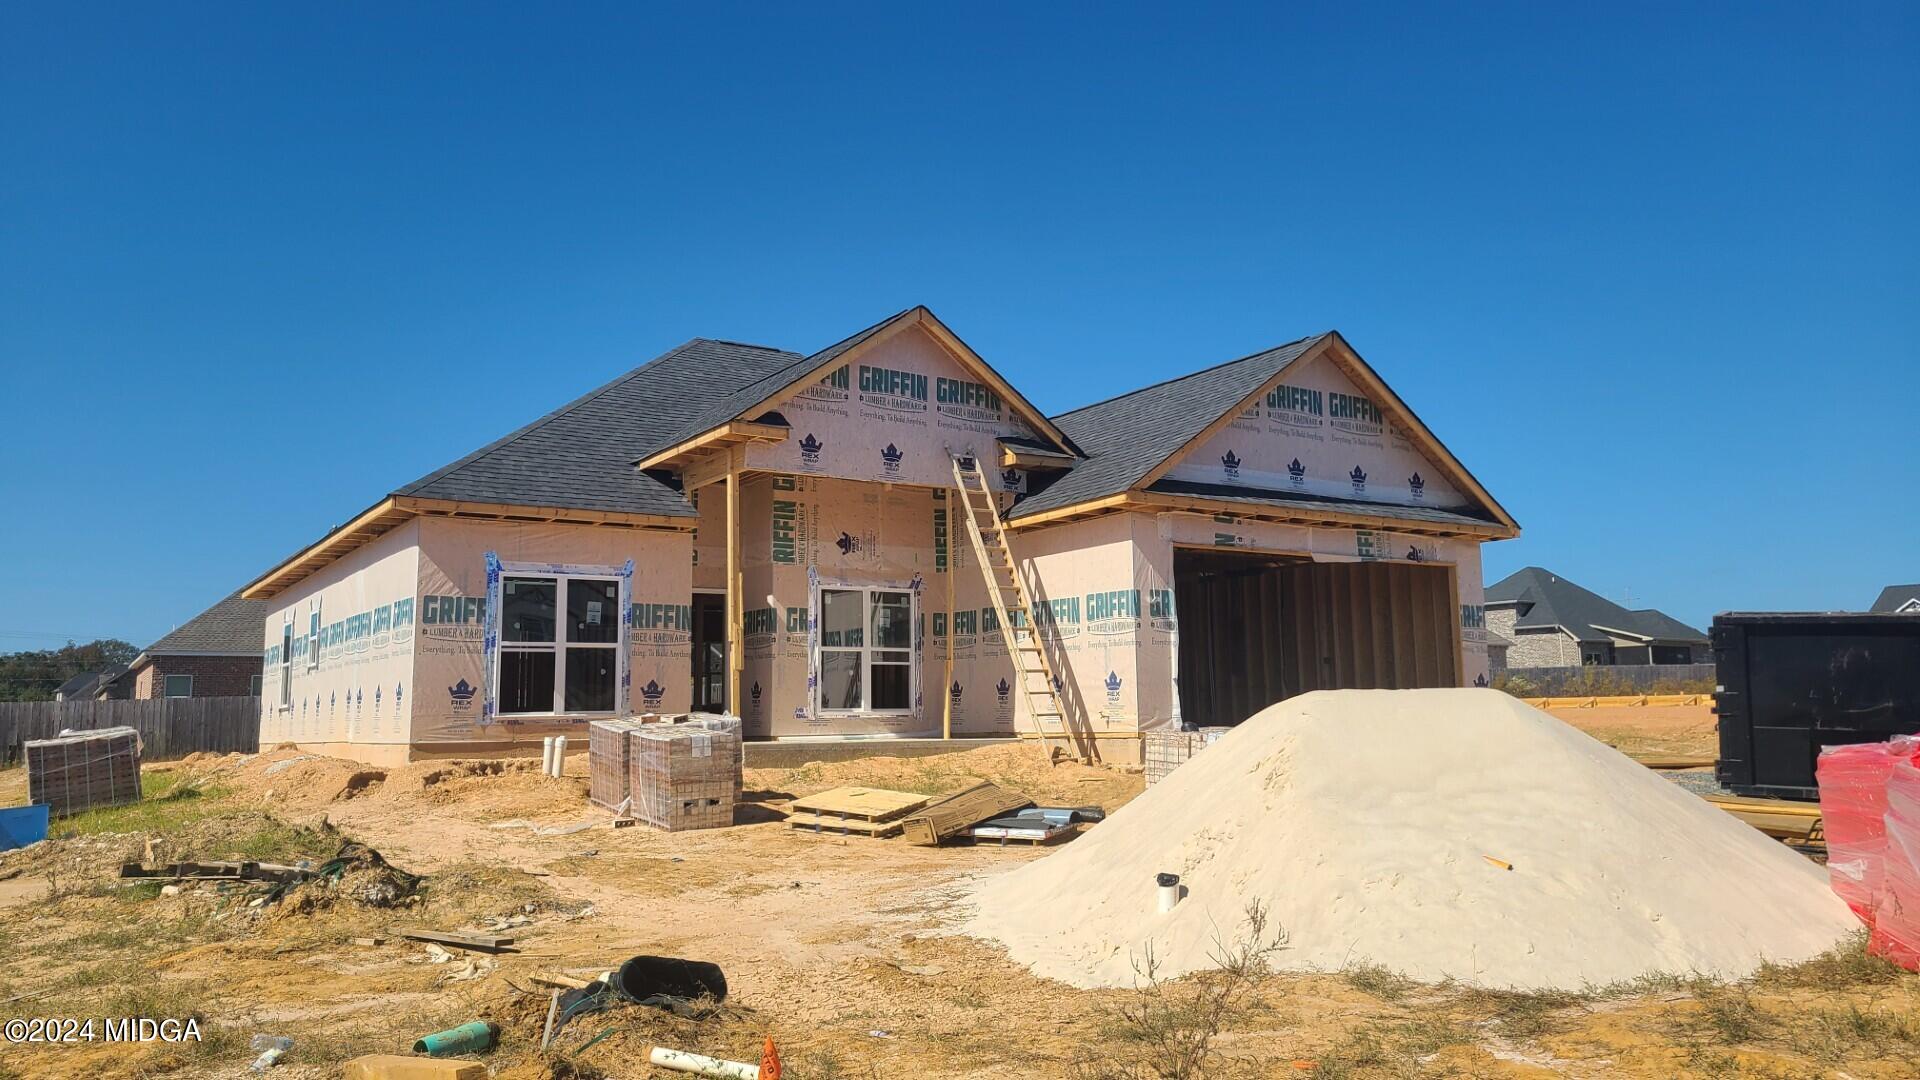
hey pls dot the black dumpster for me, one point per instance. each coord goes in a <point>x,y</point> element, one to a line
<point>1792,682</point>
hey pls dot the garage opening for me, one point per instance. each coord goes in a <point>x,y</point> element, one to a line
<point>1255,629</point>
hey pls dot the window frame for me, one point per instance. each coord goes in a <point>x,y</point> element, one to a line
<point>867,649</point>
<point>558,648</point>
<point>313,635</point>
<point>286,663</point>
<point>256,683</point>
<point>166,681</point>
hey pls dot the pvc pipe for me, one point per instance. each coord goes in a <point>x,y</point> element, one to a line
<point>546,756</point>
<point>559,755</point>
<point>465,1039</point>
<point>702,1065</point>
<point>1169,887</point>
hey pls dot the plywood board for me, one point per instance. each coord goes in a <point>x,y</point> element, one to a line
<point>871,804</point>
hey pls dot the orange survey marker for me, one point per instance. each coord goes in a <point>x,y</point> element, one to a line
<point>769,1061</point>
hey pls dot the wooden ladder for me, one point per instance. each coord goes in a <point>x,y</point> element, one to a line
<point>1017,623</point>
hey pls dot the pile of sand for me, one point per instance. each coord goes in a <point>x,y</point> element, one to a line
<point>1361,819</point>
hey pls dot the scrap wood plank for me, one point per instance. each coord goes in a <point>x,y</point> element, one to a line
<point>1784,819</point>
<point>945,818</point>
<point>845,825</point>
<point>459,940</point>
<point>872,804</point>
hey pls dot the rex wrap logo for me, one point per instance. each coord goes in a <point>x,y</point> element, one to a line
<point>1230,464</point>
<point>652,693</point>
<point>810,448</point>
<point>1297,473</point>
<point>953,692</point>
<point>890,459</point>
<point>1359,478</point>
<point>891,391</point>
<point>1010,480</point>
<point>1417,485</point>
<point>1113,689</point>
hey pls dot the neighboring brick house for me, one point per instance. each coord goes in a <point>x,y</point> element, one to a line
<point>1551,622</point>
<point>214,654</point>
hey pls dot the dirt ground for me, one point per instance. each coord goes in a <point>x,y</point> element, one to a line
<point>1668,731</point>
<point>833,946</point>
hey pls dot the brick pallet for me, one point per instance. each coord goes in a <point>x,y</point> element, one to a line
<point>84,770</point>
<point>609,763</point>
<point>1168,750</point>
<point>683,777</point>
<point>731,725</point>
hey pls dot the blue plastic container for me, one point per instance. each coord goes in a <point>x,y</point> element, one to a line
<point>22,825</point>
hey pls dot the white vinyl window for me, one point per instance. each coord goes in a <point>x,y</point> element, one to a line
<point>559,644</point>
<point>179,686</point>
<point>866,650</point>
<point>286,663</point>
<point>253,686</point>
<point>313,636</point>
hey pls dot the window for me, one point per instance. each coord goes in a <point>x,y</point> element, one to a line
<point>253,685</point>
<point>559,644</point>
<point>866,650</point>
<point>286,663</point>
<point>179,686</point>
<point>313,635</point>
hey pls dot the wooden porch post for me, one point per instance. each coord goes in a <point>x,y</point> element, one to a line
<point>736,605</point>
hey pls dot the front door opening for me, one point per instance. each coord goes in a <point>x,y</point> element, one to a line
<point>1256,629</point>
<point>709,652</point>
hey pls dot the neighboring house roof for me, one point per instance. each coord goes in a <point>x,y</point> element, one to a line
<point>78,686</point>
<point>232,627</point>
<point>1125,437</point>
<point>1898,598</point>
<point>580,456</point>
<point>106,679</point>
<point>1545,600</point>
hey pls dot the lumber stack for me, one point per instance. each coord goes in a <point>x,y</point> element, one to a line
<point>84,770</point>
<point>1168,750</point>
<point>683,777</point>
<point>943,819</point>
<point>855,811</point>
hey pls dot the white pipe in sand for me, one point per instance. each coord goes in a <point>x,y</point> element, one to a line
<point>702,1065</point>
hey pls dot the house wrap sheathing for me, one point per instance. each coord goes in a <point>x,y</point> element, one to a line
<point>778,535</point>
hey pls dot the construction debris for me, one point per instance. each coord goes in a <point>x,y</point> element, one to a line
<point>946,818</point>
<point>1357,819</point>
<point>84,770</point>
<point>401,1067</point>
<point>859,811</point>
<point>1167,750</point>
<point>458,939</point>
<point>472,1038</point>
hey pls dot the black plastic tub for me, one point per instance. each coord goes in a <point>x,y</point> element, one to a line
<point>1791,683</point>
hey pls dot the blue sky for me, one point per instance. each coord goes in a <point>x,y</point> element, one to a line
<point>1652,275</point>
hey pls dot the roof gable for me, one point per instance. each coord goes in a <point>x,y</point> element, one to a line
<point>1136,441</point>
<point>1125,437</point>
<point>1898,598</point>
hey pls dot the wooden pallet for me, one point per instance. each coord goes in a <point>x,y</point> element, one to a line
<point>844,826</point>
<point>863,803</point>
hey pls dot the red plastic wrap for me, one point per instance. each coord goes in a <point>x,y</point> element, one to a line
<point>1853,806</point>
<point>1896,926</point>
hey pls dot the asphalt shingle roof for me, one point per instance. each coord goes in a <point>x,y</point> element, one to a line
<point>1126,436</point>
<point>580,456</point>
<point>232,627</point>
<point>1894,597</point>
<point>1230,493</point>
<point>1558,602</point>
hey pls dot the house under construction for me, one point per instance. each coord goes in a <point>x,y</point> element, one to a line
<point>885,538</point>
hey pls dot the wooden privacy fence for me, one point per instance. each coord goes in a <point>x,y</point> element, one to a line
<point>169,727</point>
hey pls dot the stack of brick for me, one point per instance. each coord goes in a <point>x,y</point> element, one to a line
<point>609,761</point>
<point>1168,750</point>
<point>84,770</point>
<point>731,725</point>
<point>683,776</point>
